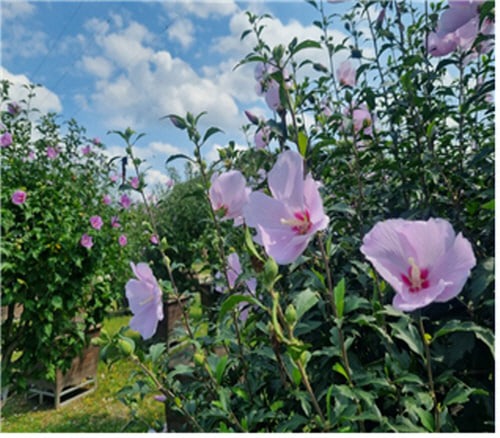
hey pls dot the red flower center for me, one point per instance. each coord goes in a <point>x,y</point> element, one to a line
<point>301,222</point>
<point>417,279</point>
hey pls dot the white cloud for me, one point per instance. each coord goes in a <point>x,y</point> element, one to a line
<point>44,100</point>
<point>97,66</point>
<point>24,42</point>
<point>182,31</point>
<point>151,84</point>
<point>203,8</point>
<point>17,9</point>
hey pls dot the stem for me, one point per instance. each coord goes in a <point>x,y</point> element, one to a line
<point>331,294</point>
<point>429,373</point>
<point>165,391</point>
<point>307,384</point>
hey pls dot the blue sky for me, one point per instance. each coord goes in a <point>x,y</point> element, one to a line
<point>115,64</point>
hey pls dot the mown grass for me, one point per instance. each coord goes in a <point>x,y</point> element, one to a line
<point>99,411</point>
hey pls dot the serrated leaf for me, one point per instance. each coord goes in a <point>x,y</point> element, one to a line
<point>407,332</point>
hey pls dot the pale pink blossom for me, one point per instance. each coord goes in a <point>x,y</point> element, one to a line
<point>113,177</point>
<point>458,28</point>
<point>96,141</point>
<point>5,139</point>
<point>106,199</point>
<point>19,197</point>
<point>423,261</point>
<point>96,222</point>
<point>233,271</point>
<point>125,201</point>
<point>115,222</point>
<point>134,182</point>
<point>361,119</point>
<point>346,74</point>
<point>154,239</point>
<point>262,137</point>
<point>86,241</point>
<point>169,183</point>
<point>145,300</point>
<point>52,152</point>
<point>229,193</point>
<point>86,150</point>
<point>13,108</point>
<point>287,221</point>
<point>122,240</point>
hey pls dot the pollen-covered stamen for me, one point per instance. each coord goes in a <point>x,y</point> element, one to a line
<point>417,279</point>
<point>300,223</point>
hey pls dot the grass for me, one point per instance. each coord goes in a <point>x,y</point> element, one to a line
<point>99,411</point>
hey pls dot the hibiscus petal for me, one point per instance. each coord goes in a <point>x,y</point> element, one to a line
<point>286,179</point>
<point>455,267</point>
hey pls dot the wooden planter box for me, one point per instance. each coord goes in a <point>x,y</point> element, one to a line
<point>79,380</point>
<point>172,315</point>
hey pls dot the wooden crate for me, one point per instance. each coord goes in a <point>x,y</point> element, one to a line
<point>78,381</point>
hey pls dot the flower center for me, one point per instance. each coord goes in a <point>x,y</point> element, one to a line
<point>300,223</point>
<point>417,279</point>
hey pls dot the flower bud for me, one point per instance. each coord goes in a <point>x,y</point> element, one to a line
<point>291,314</point>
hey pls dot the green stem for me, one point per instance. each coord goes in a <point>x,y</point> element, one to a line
<point>429,373</point>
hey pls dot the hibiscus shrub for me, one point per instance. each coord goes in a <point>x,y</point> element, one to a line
<point>64,243</point>
<point>354,282</point>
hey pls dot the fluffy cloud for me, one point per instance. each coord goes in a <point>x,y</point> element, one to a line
<point>150,84</point>
<point>16,9</point>
<point>44,99</point>
<point>97,66</point>
<point>182,31</point>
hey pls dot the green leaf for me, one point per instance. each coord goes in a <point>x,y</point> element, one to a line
<point>210,131</point>
<point>234,300</point>
<point>250,245</point>
<point>426,418</point>
<point>339,293</point>
<point>302,143</point>
<point>460,394</point>
<point>307,44</point>
<point>482,333</point>
<point>490,205</point>
<point>408,333</point>
<point>339,368</point>
<point>220,368</point>
<point>155,351</point>
<point>304,301</point>
<point>57,302</point>
<point>176,156</point>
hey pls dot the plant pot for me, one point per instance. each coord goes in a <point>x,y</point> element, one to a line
<point>79,380</point>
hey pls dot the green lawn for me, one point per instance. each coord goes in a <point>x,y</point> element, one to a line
<point>99,411</point>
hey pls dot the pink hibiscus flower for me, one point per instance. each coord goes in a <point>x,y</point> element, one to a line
<point>229,193</point>
<point>145,300</point>
<point>286,222</point>
<point>423,261</point>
